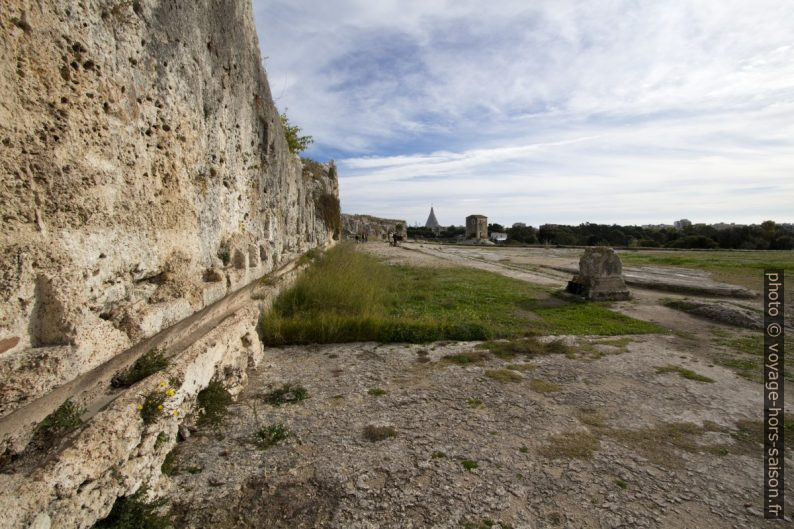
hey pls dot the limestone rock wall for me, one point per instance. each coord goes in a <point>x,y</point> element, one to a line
<point>143,175</point>
<point>376,228</point>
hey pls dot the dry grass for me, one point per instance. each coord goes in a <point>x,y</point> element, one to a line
<point>543,386</point>
<point>503,375</point>
<point>570,445</point>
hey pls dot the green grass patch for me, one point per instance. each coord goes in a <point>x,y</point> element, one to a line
<point>149,363</point>
<point>530,346</point>
<point>212,402</point>
<point>524,366</point>
<point>474,403</point>
<point>469,464</point>
<point>622,484</point>
<point>268,436</point>
<point>684,372</point>
<point>743,268</point>
<point>576,445</point>
<point>543,386</point>
<point>350,296</point>
<point>504,375</point>
<point>587,317</point>
<point>170,466</point>
<point>289,393</point>
<point>376,392</point>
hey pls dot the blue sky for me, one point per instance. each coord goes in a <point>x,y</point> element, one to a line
<point>559,111</point>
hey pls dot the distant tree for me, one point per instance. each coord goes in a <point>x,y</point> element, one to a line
<point>693,241</point>
<point>295,141</point>
<point>495,227</point>
<point>522,233</point>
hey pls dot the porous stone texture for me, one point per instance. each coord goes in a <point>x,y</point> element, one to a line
<point>600,276</point>
<point>143,175</point>
<point>373,227</point>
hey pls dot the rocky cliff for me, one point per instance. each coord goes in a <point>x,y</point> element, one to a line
<point>373,227</point>
<point>144,176</point>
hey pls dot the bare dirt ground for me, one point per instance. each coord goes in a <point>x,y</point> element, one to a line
<point>599,438</point>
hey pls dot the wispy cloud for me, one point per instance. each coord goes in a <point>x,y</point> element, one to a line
<point>557,111</point>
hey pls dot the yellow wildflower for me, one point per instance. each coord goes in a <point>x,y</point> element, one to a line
<point>175,413</point>
<point>160,407</point>
<point>170,392</point>
<point>140,406</point>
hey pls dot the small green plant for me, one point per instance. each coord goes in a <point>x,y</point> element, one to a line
<point>289,393</point>
<point>148,364</point>
<point>622,484</point>
<point>524,366</point>
<point>169,466</point>
<point>310,256</point>
<point>267,436</point>
<point>378,433</point>
<point>684,372</point>
<point>376,392</point>
<point>212,402</point>
<point>62,420</point>
<point>135,512</point>
<point>543,386</point>
<point>504,375</point>
<point>162,438</point>
<point>438,455</point>
<point>523,449</point>
<point>590,417</point>
<point>152,407</point>
<point>475,403</point>
<point>469,464</point>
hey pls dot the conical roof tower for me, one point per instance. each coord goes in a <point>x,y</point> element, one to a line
<point>432,222</point>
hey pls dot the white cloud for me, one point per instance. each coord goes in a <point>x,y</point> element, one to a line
<point>555,111</point>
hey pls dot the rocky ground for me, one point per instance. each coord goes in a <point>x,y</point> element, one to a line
<point>406,436</point>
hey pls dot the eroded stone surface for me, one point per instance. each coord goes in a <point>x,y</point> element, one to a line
<point>143,175</point>
<point>600,276</point>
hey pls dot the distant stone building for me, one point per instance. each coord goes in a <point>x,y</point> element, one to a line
<point>432,222</point>
<point>477,227</point>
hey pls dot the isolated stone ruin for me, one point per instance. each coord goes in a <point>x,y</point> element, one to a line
<point>477,227</point>
<point>600,276</point>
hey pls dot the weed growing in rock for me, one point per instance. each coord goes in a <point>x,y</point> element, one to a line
<point>267,436</point>
<point>475,403</point>
<point>378,433</point>
<point>64,419</point>
<point>685,373</point>
<point>135,512</point>
<point>287,394</point>
<point>377,392</point>
<point>529,346</point>
<point>162,438</point>
<point>169,466</point>
<point>148,364</point>
<point>469,464</point>
<point>152,407</point>
<point>212,402</point>
<point>438,455</point>
<point>622,484</point>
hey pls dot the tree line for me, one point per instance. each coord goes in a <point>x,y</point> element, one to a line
<point>765,236</point>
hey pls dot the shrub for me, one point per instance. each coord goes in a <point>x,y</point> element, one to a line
<point>693,241</point>
<point>287,394</point>
<point>329,210</point>
<point>148,364</point>
<point>59,422</point>
<point>268,436</point>
<point>152,407</point>
<point>378,433</point>
<point>295,141</point>
<point>213,401</point>
<point>134,512</point>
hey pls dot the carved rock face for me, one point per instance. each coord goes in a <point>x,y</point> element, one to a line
<point>600,276</point>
